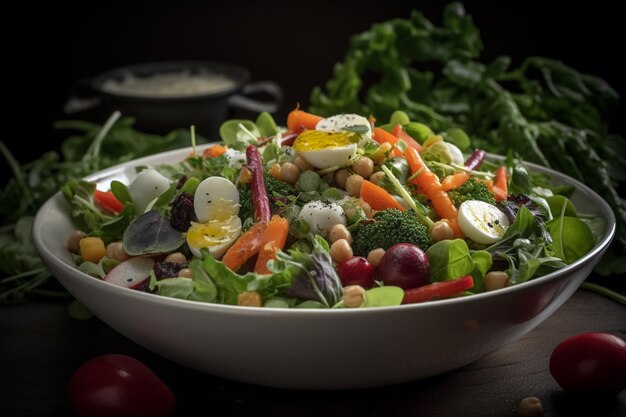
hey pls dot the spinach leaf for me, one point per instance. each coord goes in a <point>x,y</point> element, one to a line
<point>571,238</point>
<point>449,259</point>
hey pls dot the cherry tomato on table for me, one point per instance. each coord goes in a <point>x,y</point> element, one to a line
<point>121,386</point>
<point>590,362</point>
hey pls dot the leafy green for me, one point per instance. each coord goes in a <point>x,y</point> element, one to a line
<point>543,110</point>
<point>151,234</point>
<point>525,247</point>
<point>451,259</point>
<point>383,296</point>
<point>90,148</point>
<point>313,276</point>
<point>571,238</point>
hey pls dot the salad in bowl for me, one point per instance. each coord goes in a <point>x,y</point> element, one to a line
<point>327,213</point>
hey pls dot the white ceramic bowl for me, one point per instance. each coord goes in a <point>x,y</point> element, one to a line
<point>317,349</point>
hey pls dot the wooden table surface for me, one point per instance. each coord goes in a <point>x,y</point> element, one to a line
<point>41,345</point>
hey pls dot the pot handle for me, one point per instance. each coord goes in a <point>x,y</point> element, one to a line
<point>240,101</point>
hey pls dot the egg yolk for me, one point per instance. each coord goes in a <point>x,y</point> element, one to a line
<point>208,234</point>
<point>314,140</point>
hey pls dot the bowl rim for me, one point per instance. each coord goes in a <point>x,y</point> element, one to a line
<point>237,73</point>
<point>101,285</point>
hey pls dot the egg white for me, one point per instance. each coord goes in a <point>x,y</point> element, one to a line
<point>482,222</point>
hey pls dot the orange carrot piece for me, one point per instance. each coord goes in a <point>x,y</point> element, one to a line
<point>500,184</point>
<point>214,151</point>
<point>382,136</point>
<point>399,132</point>
<point>429,182</point>
<point>273,240</point>
<point>245,247</point>
<point>454,181</point>
<point>377,197</point>
<point>298,121</point>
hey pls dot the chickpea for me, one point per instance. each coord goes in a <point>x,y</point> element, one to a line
<point>176,258</point>
<point>375,255</point>
<point>73,239</point>
<point>353,296</point>
<point>353,185</point>
<point>115,250</point>
<point>441,231</point>
<point>340,250</point>
<point>185,273</point>
<point>531,407</point>
<point>275,171</point>
<point>289,173</point>
<point>339,231</point>
<point>245,176</point>
<point>302,164</point>
<point>341,177</point>
<point>364,167</point>
<point>495,280</point>
<point>376,177</point>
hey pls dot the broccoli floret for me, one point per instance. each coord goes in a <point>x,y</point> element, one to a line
<point>387,228</point>
<point>471,190</point>
<point>278,192</point>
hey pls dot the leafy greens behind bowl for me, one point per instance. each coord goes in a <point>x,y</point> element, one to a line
<point>90,148</point>
<point>544,111</point>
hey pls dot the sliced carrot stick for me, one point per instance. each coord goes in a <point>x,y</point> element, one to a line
<point>500,184</point>
<point>298,120</point>
<point>214,151</point>
<point>382,136</point>
<point>429,182</point>
<point>245,247</point>
<point>273,240</point>
<point>377,197</point>
<point>454,181</point>
<point>399,132</point>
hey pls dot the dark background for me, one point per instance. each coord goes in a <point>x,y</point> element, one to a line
<point>45,51</point>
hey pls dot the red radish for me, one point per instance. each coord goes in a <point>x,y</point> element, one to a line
<point>131,273</point>
<point>404,265</point>
<point>118,385</point>
<point>356,271</point>
<point>590,362</point>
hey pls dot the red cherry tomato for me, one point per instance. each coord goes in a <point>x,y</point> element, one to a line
<point>121,386</point>
<point>590,362</point>
<point>356,271</point>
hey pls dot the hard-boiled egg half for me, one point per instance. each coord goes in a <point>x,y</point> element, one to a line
<point>482,222</point>
<point>326,149</point>
<point>216,204</point>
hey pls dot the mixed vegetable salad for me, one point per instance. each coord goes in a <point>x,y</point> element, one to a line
<point>335,212</point>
